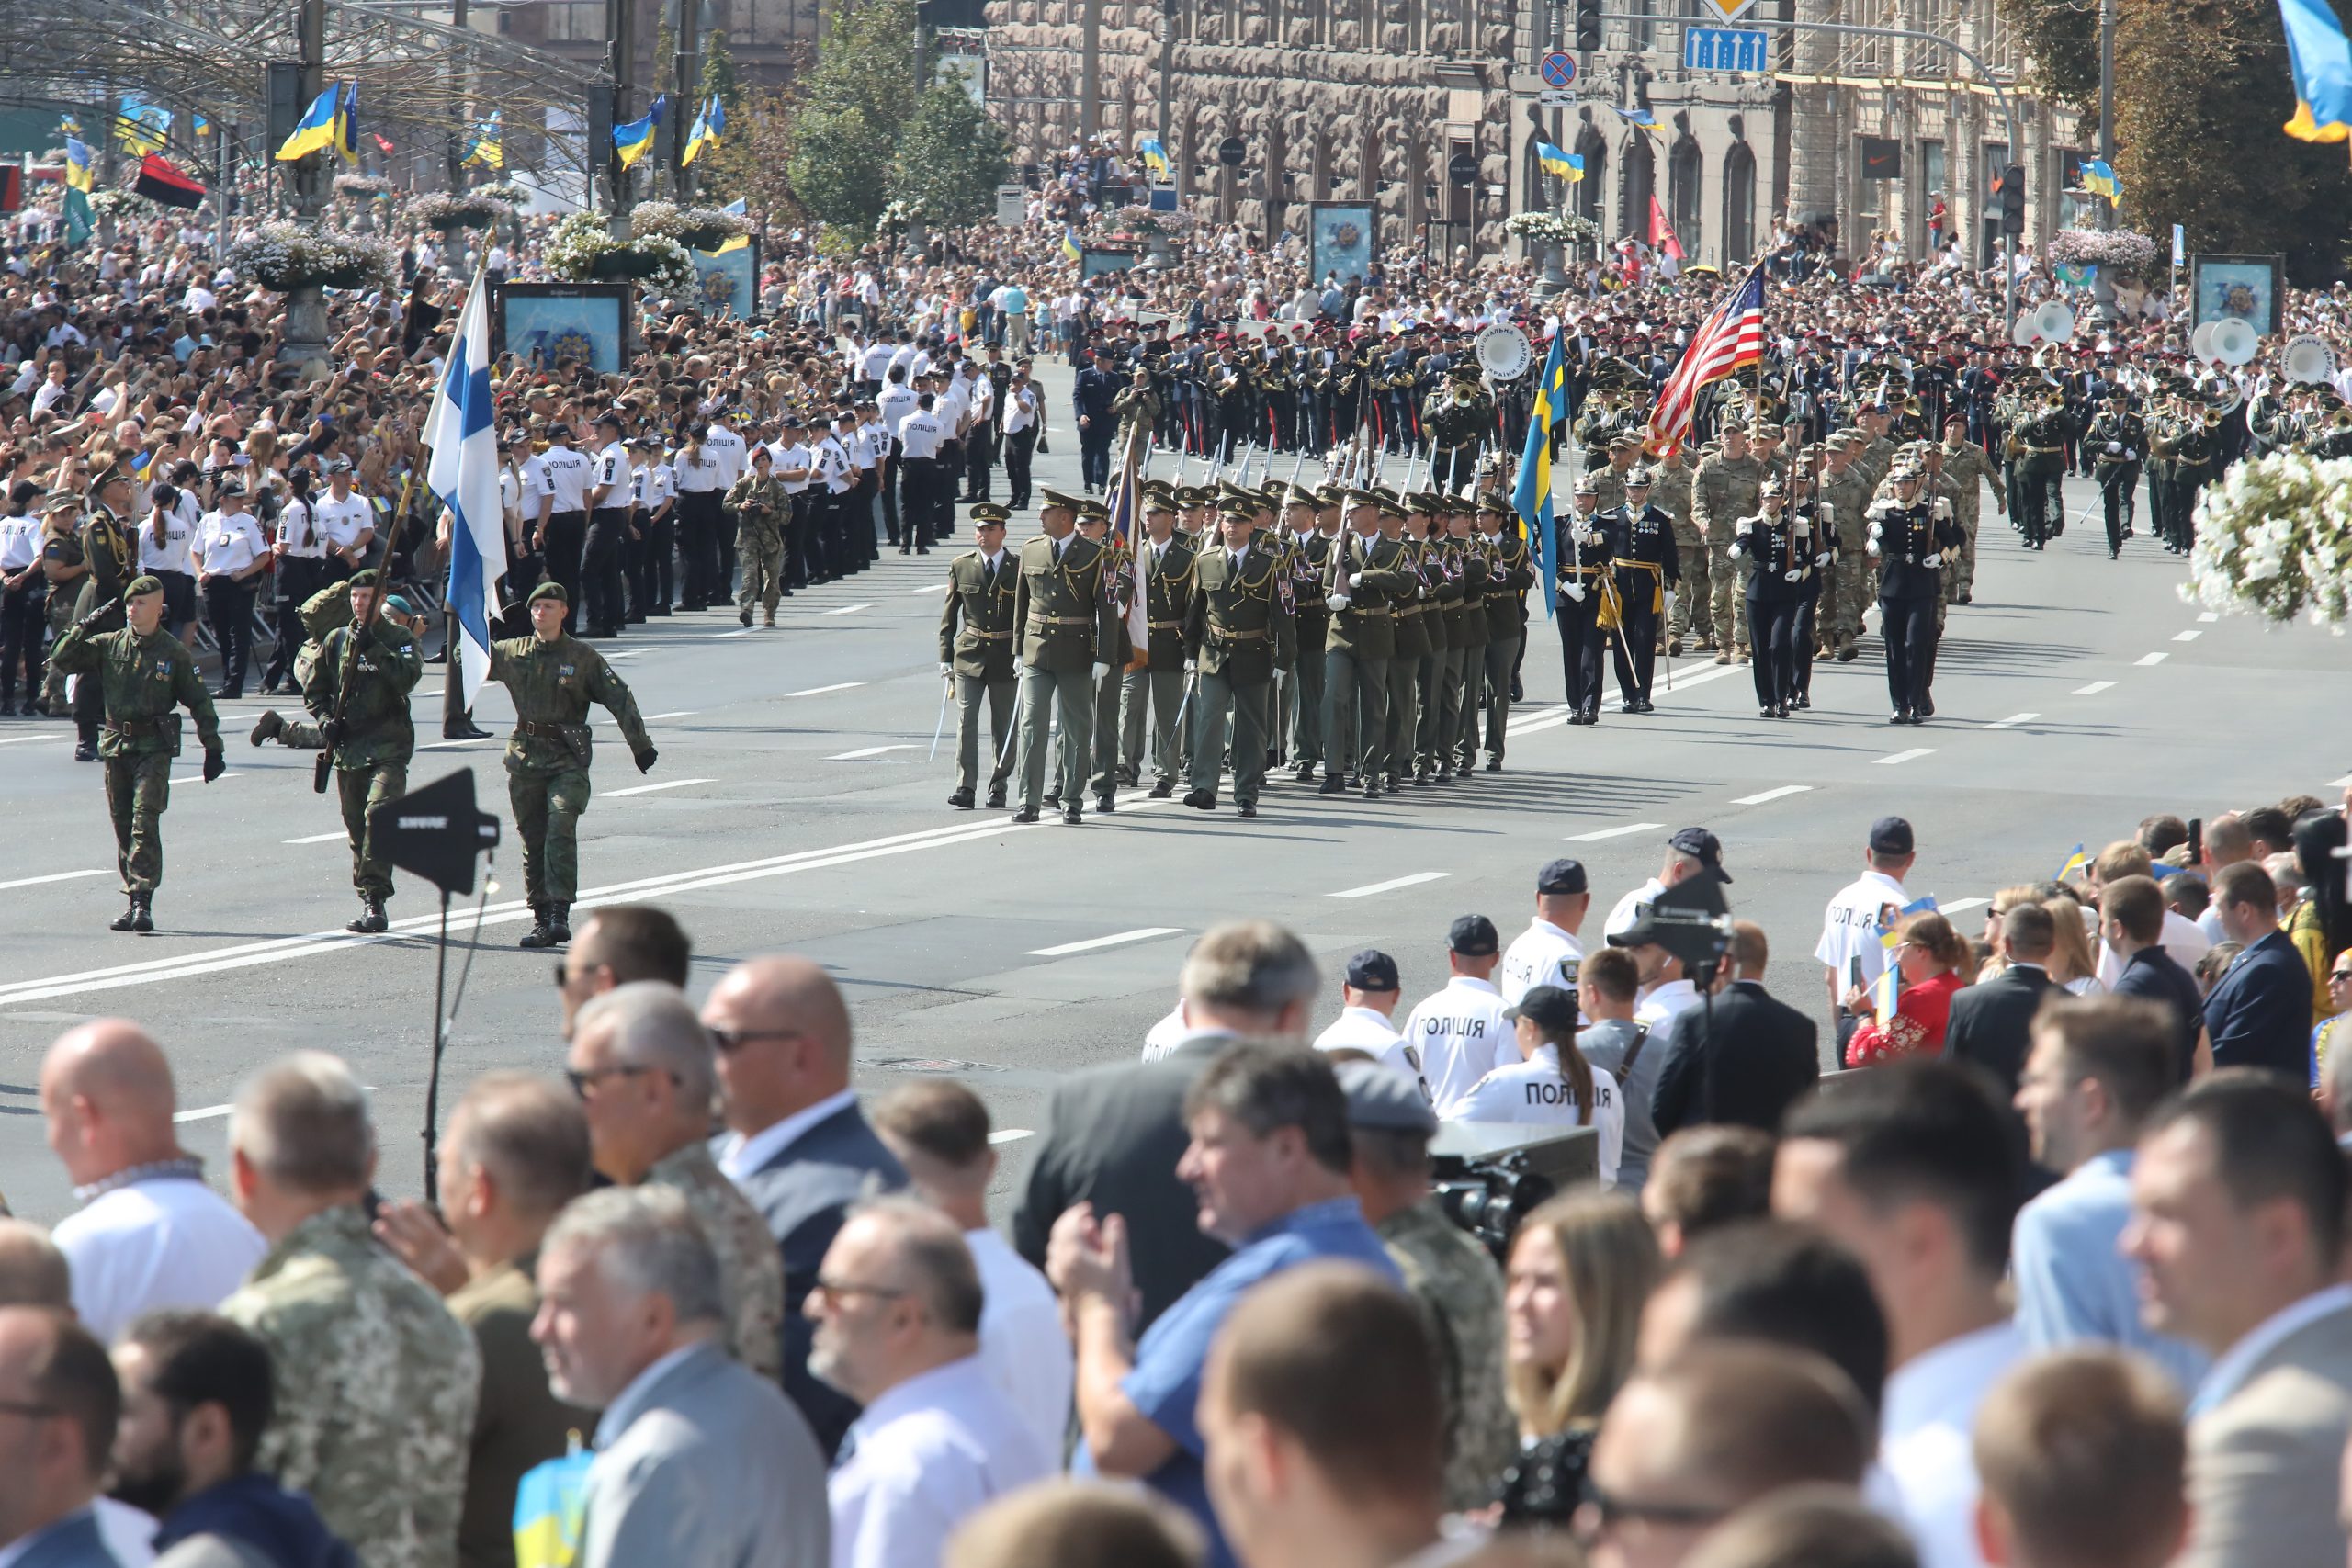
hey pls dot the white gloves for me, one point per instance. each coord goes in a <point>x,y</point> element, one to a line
<point>1191,666</point>
<point>1100,671</point>
<point>1794,574</point>
<point>945,668</point>
<point>1355,579</point>
<point>1576,592</point>
<point>1337,600</point>
<point>1669,603</point>
<point>2113,448</point>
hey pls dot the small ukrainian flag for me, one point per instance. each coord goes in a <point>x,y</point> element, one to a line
<point>635,140</point>
<point>709,126</point>
<point>316,130</point>
<point>490,143</point>
<point>1071,246</point>
<point>78,172</point>
<point>1562,165</point>
<point>2098,178</point>
<point>2075,863</point>
<point>550,1507</point>
<point>1155,157</point>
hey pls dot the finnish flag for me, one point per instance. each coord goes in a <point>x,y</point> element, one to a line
<point>464,477</point>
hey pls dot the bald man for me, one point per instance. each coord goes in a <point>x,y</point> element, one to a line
<point>150,1233</point>
<point>796,1142</point>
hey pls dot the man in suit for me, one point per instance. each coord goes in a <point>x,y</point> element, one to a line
<point>1992,1023</point>
<point>59,1405</point>
<point>2260,1013</point>
<point>1113,1134</point>
<point>2238,1228</point>
<point>2131,917</point>
<point>1742,1058</point>
<point>796,1143</point>
<point>698,1459</point>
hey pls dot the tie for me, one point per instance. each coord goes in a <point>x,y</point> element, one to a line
<point>1235,556</point>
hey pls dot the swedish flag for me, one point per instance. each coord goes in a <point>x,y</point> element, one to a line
<point>2098,178</point>
<point>316,130</point>
<point>1560,165</point>
<point>1531,497</point>
<point>2321,60</point>
<point>635,140</point>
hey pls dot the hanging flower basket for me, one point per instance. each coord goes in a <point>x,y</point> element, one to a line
<point>2117,250</point>
<point>466,209</point>
<point>286,256</point>
<point>2273,540</point>
<point>697,228</point>
<point>582,250</point>
<point>361,187</point>
<point>1552,228</point>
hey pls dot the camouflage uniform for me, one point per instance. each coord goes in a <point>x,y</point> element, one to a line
<point>376,1382</point>
<point>750,1269</point>
<point>1460,1291</point>
<point>1850,494</point>
<point>1964,466</point>
<point>371,759</point>
<point>547,758</point>
<point>1693,606</point>
<point>65,550</point>
<point>141,680</point>
<point>1723,490</point>
<point>761,507</point>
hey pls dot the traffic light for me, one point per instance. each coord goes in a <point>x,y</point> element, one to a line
<point>1588,24</point>
<point>2013,200</point>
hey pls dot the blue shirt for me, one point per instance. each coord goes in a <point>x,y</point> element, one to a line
<point>1164,1382</point>
<point>2260,1013</point>
<point>2072,1285</point>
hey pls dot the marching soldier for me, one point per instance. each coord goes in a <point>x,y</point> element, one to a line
<point>1157,690</point>
<point>1441,665</point>
<point>106,551</point>
<point>1641,543</point>
<point>553,676</point>
<point>1963,465</point>
<point>1468,564</point>
<point>1912,539</point>
<point>1723,490</point>
<point>63,569</point>
<point>1822,525</point>
<point>1625,453</point>
<point>1780,553</point>
<point>1366,578</point>
<point>361,678</point>
<point>976,633</point>
<point>1313,523</point>
<point>1066,638</point>
<point>761,508</point>
<point>1670,490</point>
<point>2041,463</point>
<point>1412,639</point>
<point>2197,455</point>
<point>140,674</point>
<point>1118,589</point>
<point>1237,627</point>
<point>2118,437</point>
<point>1510,571</point>
<point>1584,593</point>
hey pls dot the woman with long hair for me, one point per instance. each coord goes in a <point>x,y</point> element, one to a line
<point>2320,925</point>
<point>1929,956</point>
<point>1581,1266</point>
<point>2072,963</point>
<point>1553,1083</point>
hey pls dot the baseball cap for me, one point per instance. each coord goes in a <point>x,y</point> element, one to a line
<point>1890,836</point>
<point>1383,1100</point>
<point>1473,936</point>
<point>1703,847</point>
<point>1550,1007</point>
<point>1562,876</point>
<point>1373,970</point>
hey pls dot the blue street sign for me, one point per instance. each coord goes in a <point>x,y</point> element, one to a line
<point>1727,49</point>
<point>1559,68</point>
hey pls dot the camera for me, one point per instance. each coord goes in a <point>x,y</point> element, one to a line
<point>1488,1197</point>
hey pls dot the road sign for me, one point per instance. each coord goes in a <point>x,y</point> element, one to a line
<point>1556,98</point>
<point>1011,206</point>
<point>1729,10</point>
<point>1560,67</point>
<point>1727,49</point>
<point>1462,169</point>
<point>1231,151</point>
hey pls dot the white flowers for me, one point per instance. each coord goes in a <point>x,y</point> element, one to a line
<point>1554,228</point>
<point>465,209</point>
<point>2274,538</point>
<point>582,250</point>
<point>700,228</point>
<point>286,256</point>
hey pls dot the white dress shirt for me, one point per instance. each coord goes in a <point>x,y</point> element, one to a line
<point>923,1458</point>
<point>1850,925</point>
<point>1461,1035</point>
<point>343,522</point>
<point>741,1156</point>
<point>2183,939</point>
<point>169,1241</point>
<point>1628,910</point>
<point>567,478</point>
<point>1022,1343</point>
<point>1542,954</point>
<point>1368,1030</point>
<point>176,553</point>
<point>1535,1091</point>
<point>1926,1418</point>
<point>1659,1006</point>
<point>229,543</point>
<point>728,448</point>
<point>919,437</point>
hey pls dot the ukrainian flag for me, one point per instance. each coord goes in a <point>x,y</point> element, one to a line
<point>1563,166</point>
<point>346,124</point>
<point>740,206</point>
<point>489,146</point>
<point>635,140</point>
<point>2320,60</point>
<point>316,132</point>
<point>141,127</point>
<point>2099,179</point>
<point>1532,497</point>
<point>1155,157</point>
<point>1889,987</point>
<point>551,1504</point>
<point>2075,863</point>
<point>709,126</point>
<point>69,125</point>
<point>200,125</point>
<point>1071,247</point>
<point>78,173</point>
<point>1642,117</point>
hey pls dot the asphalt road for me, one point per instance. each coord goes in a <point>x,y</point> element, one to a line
<point>794,808</point>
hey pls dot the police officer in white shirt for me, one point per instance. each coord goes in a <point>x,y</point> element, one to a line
<point>921,481</point>
<point>167,545</point>
<point>610,484</point>
<point>840,477</point>
<point>1549,1083</point>
<point>1689,852</point>
<point>897,402</point>
<point>1460,1031</point>
<point>795,466</point>
<point>1023,423</point>
<point>1548,952</point>
<point>699,464</point>
<point>874,363</point>
<point>346,521</point>
<point>231,552</point>
<point>1849,927</point>
<point>734,461</point>
<point>562,534</point>
<point>24,598</point>
<point>1368,997</point>
<point>653,498</point>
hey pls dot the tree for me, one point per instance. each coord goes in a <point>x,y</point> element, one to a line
<point>849,112</point>
<point>718,79</point>
<point>725,172</point>
<point>950,159</point>
<point>2201,88</point>
<point>2061,38</point>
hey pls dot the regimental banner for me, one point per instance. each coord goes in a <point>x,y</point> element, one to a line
<point>1339,241</point>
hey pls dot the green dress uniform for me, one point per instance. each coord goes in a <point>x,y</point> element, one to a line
<point>1440,679</point>
<point>1102,767</point>
<point>108,551</point>
<point>2041,463</point>
<point>1358,648</point>
<point>761,507</point>
<point>1301,705</point>
<point>547,762</point>
<point>1510,572</point>
<point>1469,563</point>
<point>372,748</point>
<point>140,680</point>
<point>1237,627</point>
<point>975,633</point>
<point>1158,686</point>
<point>1066,627</point>
<point>62,552</point>
<point>1413,646</point>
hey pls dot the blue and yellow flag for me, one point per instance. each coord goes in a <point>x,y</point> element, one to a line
<point>1642,117</point>
<point>346,124</point>
<point>2320,60</point>
<point>78,172</point>
<point>316,130</point>
<point>551,1506</point>
<point>635,140</point>
<point>2098,178</point>
<point>142,128</point>
<point>740,206</point>
<point>1071,247</point>
<point>1155,157</point>
<point>1531,497</point>
<point>1888,988</point>
<point>1568,166</point>
<point>2076,861</point>
<point>709,126</point>
<point>68,125</point>
<point>490,143</point>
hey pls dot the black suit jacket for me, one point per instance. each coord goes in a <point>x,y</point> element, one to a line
<point>1992,1022</point>
<point>802,1193</point>
<point>1744,1063</point>
<point>1113,1137</point>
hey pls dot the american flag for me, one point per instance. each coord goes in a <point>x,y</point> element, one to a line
<point>1732,336</point>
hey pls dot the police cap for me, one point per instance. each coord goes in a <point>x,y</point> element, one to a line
<point>1562,877</point>
<point>1373,970</point>
<point>1552,1008</point>
<point>1473,936</point>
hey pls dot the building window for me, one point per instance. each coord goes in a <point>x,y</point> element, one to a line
<point>574,21</point>
<point>1586,192</point>
<point>1739,204</point>
<point>1684,172</point>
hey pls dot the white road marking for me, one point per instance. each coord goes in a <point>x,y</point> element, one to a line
<point>649,789</point>
<point>2209,616</point>
<point>820,691</point>
<point>1538,718</point>
<point>864,752</point>
<point>930,588</point>
<point>2145,659</point>
<point>198,778</point>
<point>2094,689</point>
<point>452,745</point>
<point>1957,905</point>
<point>2012,721</point>
<point>2191,635</point>
<point>675,713</point>
<point>1141,933</point>
<point>848,609</point>
<point>1762,795</point>
<point>2339,783</point>
<point>1368,889</point>
<point>1595,837</point>
<point>57,876</point>
<point>740,631</point>
<point>1912,755</point>
<point>203,1113</point>
<point>20,739</point>
<point>1004,1136</point>
<point>318,838</point>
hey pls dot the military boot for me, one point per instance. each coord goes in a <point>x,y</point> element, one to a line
<point>142,912</point>
<point>371,916</point>
<point>558,924</point>
<point>128,918</point>
<point>268,727</point>
<point>542,931</point>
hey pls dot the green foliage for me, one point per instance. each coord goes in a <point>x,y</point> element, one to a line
<point>665,59</point>
<point>725,172</point>
<point>839,166</point>
<point>851,111</point>
<point>2061,38</point>
<point>951,158</point>
<point>718,77</point>
<point>2201,88</point>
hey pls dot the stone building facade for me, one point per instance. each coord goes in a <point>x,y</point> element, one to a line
<point>1371,100</point>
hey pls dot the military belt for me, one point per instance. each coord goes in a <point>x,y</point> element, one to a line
<point>1164,626</point>
<point>2045,451</point>
<point>132,728</point>
<point>538,731</point>
<point>1365,610</point>
<point>986,637</point>
<point>1222,634</point>
<point>1037,621</point>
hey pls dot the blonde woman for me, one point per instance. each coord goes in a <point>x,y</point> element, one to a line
<point>1581,1266</point>
<point>2072,963</point>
